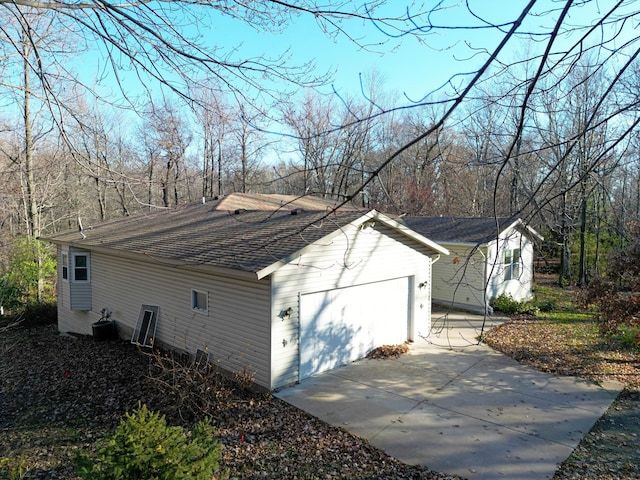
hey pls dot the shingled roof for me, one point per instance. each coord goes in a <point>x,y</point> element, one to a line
<point>273,201</point>
<point>204,235</point>
<point>477,231</point>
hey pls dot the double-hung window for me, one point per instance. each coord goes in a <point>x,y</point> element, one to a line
<point>512,264</point>
<point>80,267</point>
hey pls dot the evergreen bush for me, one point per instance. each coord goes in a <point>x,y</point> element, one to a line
<point>144,447</point>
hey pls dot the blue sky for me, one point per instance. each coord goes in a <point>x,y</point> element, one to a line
<point>406,66</point>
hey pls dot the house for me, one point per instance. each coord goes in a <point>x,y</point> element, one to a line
<point>281,294</point>
<point>489,257</point>
<point>274,201</point>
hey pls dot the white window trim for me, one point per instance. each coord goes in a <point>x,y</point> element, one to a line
<point>72,266</point>
<point>65,256</point>
<point>509,267</point>
<point>203,311</point>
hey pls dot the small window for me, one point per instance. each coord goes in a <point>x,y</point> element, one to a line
<point>80,267</point>
<point>199,301</point>
<point>145,332</point>
<point>65,266</point>
<point>512,264</point>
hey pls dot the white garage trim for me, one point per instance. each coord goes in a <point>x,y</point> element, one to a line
<point>342,325</point>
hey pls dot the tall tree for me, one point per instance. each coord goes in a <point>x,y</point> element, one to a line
<point>170,134</point>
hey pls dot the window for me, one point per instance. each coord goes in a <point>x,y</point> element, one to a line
<point>512,264</point>
<point>145,332</point>
<point>65,266</point>
<point>199,301</point>
<point>80,267</point>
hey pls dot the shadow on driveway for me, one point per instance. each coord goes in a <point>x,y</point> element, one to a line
<point>458,407</point>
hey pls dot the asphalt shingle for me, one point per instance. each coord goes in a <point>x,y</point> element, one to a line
<point>198,234</point>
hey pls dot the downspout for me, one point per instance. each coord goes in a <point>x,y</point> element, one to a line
<point>487,308</point>
<point>433,260</point>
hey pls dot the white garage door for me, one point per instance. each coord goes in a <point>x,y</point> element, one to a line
<point>343,325</point>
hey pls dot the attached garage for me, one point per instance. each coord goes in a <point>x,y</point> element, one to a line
<point>280,295</point>
<point>342,325</point>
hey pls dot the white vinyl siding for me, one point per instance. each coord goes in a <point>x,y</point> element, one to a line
<point>462,278</point>
<point>459,278</point>
<point>354,257</point>
<point>514,278</point>
<point>236,333</point>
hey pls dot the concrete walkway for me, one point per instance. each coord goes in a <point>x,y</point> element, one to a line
<point>457,407</point>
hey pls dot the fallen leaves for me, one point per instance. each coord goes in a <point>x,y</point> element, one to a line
<point>388,351</point>
<point>60,395</point>
<point>566,349</point>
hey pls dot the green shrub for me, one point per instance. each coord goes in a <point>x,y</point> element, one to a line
<point>143,447</point>
<point>546,306</point>
<point>629,336</point>
<point>30,274</point>
<point>507,304</point>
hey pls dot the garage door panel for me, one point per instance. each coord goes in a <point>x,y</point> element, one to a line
<point>343,325</point>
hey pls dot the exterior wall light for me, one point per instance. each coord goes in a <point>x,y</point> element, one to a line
<point>286,314</point>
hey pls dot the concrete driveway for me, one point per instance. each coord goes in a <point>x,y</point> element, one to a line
<point>457,407</point>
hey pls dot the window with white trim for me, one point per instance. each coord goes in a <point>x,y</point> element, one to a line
<point>199,301</point>
<point>65,266</point>
<point>80,267</point>
<point>512,264</point>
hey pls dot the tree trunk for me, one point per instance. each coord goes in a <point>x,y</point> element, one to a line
<point>582,268</point>
<point>564,276</point>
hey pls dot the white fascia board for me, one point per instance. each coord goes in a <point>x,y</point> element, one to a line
<point>523,227</point>
<point>371,215</point>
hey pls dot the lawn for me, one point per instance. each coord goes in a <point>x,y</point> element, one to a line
<point>564,339</point>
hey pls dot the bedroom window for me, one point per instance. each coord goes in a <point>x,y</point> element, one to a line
<point>80,267</point>
<point>65,266</point>
<point>199,301</point>
<point>512,264</point>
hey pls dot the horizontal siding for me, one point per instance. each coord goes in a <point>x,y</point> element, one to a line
<point>80,296</point>
<point>520,288</point>
<point>235,330</point>
<point>458,279</point>
<point>352,258</point>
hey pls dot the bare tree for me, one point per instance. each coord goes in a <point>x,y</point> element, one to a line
<point>169,133</point>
